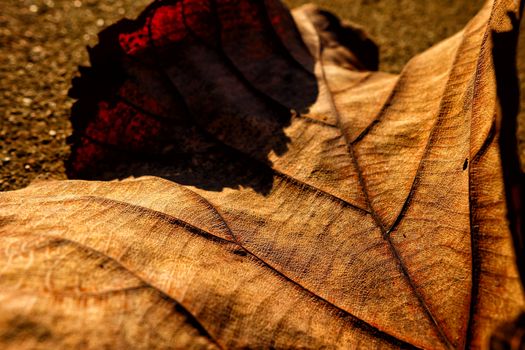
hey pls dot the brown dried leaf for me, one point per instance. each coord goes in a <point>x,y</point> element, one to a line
<point>372,216</point>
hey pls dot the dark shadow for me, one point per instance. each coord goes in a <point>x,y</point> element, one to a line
<point>510,335</point>
<point>350,36</point>
<point>192,91</point>
<point>505,54</point>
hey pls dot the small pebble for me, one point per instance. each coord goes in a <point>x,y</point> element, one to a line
<point>27,101</point>
<point>77,3</point>
<point>33,8</point>
<point>100,22</point>
<point>37,49</point>
<point>27,167</point>
<point>7,159</point>
<point>52,133</point>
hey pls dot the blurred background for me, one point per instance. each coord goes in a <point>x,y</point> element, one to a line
<point>43,41</point>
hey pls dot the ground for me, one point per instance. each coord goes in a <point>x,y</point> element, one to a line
<point>43,41</point>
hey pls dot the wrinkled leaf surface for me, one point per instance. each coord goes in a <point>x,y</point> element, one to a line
<point>301,199</point>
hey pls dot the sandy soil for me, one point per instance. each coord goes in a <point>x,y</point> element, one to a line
<point>43,41</point>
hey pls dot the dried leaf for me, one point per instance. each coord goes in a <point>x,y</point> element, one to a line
<point>306,202</point>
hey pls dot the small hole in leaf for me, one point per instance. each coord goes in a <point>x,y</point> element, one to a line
<point>239,252</point>
<point>465,164</point>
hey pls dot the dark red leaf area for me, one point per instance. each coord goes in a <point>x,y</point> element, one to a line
<point>123,125</point>
<point>187,73</point>
<point>209,22</point>
<point>169,24</point>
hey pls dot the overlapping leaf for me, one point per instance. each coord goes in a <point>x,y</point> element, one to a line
<point>306,202</point>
